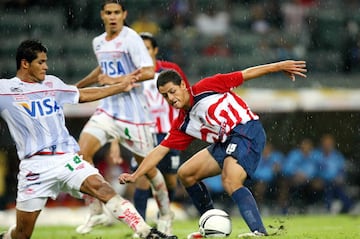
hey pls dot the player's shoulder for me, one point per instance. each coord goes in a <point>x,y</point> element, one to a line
<point>54,82</point>
<point>129,30</point>
<point>100,37</point>
<point>6,83</point>
<point>130,35</point>
<point>52,78</point>
<point>6,80</point>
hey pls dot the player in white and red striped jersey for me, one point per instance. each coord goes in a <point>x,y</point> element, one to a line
<point>31,103</point>
<point>124,117</point>
<point>212,112</point>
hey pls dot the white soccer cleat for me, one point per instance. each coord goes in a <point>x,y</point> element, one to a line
<point>135,236</point>
<point>195,235</point>
<point>6,234</point>
<point>251,234</point>
<point>92,221</point>
<point>164,223</point>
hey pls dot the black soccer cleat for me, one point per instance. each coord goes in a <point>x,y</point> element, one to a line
<point>155,234</point>
<point>2,235</point>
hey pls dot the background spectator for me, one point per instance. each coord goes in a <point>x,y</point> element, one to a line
<point>332,172</point>
<point>299,171</point>
<point>266,174</point>
<point>212,22</point>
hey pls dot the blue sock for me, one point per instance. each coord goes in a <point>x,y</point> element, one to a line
<point>200,197</point>
<point>140,200</point>
<point>248,209</point>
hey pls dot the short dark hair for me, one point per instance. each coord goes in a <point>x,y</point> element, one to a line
<point>168,76</point>
<point>28,50</point>
<point>120,2</point>
<point>150,37</point>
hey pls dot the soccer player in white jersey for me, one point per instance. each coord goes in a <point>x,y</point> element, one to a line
<point>212,112</point>
<point>31,103</point>
<point>123,117</point>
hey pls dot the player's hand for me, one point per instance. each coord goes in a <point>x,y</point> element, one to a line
<point>126,178</point>
<point>293,68</point>
<point>134,76</point>
<point>104,79</point>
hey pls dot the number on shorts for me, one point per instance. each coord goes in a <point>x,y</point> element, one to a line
<point>71,166</point>
<point>230,148</point>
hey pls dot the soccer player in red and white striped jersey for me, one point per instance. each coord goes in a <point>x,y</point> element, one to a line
<point>212,112</point>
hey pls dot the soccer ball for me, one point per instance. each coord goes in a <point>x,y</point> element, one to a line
<point>215,223</point>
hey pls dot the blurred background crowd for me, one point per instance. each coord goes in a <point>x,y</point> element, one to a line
<point>311,159</point>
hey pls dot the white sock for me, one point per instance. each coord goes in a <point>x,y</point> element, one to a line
<point>160,193</point>
<point>7,235</point>
<point>125,211</point>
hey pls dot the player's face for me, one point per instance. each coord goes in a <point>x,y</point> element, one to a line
<point>113,17</point>
<point>152,51</point>
<point>36,70</point>
<point>176,95</point>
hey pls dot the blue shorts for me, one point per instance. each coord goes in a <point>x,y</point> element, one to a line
<point>245,143</point>
<point>169,164</point>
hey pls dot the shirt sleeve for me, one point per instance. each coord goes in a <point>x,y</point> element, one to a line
<point>220,83</point>
<point>177,139</point>
<point>139,54</point>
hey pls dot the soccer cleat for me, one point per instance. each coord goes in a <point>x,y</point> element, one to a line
<point>92,221</point>
<point>195,235</point>
<point>251,234</point>
<point>135,236</point>
<point>155,234</point>
<point>164,223</point>
<point>6,233</point>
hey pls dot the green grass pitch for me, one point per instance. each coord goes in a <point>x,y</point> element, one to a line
<point>295,227</point>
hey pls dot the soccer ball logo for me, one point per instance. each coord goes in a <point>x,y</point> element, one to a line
<point>215,223</point>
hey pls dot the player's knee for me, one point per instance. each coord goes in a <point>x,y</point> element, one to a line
<point>230,185</point>
<point>185,177</point>
<point>97,187</point>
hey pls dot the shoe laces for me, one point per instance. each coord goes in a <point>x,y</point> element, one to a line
<point>155,234</point>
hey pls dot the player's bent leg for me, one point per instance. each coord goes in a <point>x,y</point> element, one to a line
<point>233,177</point>
<point>199,166</point>
<point>92,186</point>
<point>120,208</point>
<point>89,145</point>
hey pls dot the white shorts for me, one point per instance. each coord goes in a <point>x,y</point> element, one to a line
<point>43,176</point>
<point>135,137</point>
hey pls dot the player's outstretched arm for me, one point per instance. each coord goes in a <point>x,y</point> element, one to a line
<point>90,79</point>
<point>144,73</point>
<point>149,162</point>
<point>96,93</point>
<point>290,67</point>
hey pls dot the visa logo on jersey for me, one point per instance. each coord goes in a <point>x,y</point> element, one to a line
<point>42,107</point>
<point>112,68</point>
